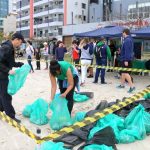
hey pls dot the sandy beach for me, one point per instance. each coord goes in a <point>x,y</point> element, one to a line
<point>38,85</point>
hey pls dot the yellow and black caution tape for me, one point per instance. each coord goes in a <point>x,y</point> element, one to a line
<point>103,67</point>
<point>18,126</point>
<point>85,122</point>
<point>96,116</point>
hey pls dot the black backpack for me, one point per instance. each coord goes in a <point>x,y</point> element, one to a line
<point>98,50</point>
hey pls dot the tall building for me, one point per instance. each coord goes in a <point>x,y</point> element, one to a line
<point>40,19</point>
<point>12,6</point>
<point>3,12</point>
<point>76,12</point>
<point>111,10</point>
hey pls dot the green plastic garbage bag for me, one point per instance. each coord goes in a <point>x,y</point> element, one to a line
<point>128,136</point>
<point>97,147</point>
<point>17,80</point>
<point>52,146</point>
<point>112,120</point>
<point>147,122</point>
<point>40,109</point>
<point>147,96</point>
<point>80,98</point>
<point>37,112</point>
<point>27,111</point>
<point>60,114</point>
<point>135,121</point>
<point>78,117</point>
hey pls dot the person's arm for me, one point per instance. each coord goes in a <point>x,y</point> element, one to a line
<point>70,83</point>
<point>53,86</point>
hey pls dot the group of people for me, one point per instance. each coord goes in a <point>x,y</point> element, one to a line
<point>63,71</point>
<point>112,55</point>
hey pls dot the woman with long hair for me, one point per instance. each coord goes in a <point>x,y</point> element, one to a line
<point>67,80</point>
<point>86,58</point>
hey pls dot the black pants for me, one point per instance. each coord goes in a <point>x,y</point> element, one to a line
<point>6,99</point>
<point>29,62</point>
<point>38,64</point>
<point>69,96</point>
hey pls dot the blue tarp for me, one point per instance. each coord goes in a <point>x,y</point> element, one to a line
<point>143,32</point>
<point>112,31</point>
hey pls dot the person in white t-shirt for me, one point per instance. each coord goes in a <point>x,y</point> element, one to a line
<point>29,53</point>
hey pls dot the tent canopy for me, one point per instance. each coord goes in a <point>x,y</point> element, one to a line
<point>110,31</point>
<point>143,32</point>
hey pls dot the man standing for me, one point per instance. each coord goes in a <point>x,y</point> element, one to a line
<point>7,62</point>
<point>102,52</point>
<point>126,57</point>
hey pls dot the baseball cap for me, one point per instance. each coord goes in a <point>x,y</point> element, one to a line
<point>45,43</point>
<point>18,35</point>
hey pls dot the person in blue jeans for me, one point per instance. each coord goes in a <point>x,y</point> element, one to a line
<point>102,52</point>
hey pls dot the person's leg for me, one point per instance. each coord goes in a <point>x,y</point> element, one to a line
<point>97,71</point>
<point>29,62</point>
<point>103,63</point>
<point>7,100</point>
<point>46,61</point>
<point>69,96</point>
<point>83,71</point>
<point>1,97</point>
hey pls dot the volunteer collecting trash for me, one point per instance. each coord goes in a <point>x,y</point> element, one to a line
<point>67,80</point>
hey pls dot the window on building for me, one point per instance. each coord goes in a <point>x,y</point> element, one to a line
<point>83,6</point>
<point>84,18</point>
<point>94,1</point>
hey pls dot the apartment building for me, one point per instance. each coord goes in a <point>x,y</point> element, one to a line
<point>40,19</point>
<point>3,12</point>
<point>12,6</point>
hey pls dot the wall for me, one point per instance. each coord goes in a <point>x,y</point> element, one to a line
<point>75,12</point>
<point>10,24</point>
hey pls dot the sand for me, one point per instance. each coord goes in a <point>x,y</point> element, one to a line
<point>38,85</point>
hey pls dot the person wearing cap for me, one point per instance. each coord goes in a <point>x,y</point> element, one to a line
<point>102,52</point>
<point>7,62</point>
<point>46,54</point>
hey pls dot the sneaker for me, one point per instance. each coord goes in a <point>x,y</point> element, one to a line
<point>103,82</point>
<point>17,120</point>
<point>131,89</point>
<point>95,82</point>
<point>120,86</point>
<point>89,76</point>
<point>82,84</point>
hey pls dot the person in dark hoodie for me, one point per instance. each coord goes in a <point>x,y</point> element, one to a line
<point>60,51</point>
<point>126,58</point>
<point>7,62</point>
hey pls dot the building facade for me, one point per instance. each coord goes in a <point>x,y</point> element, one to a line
<point>112,10</point>
<point>76,12</point>
<point>40,19</point>
<point>12,6</point>
<point>10,24</point>
<point>3,12</point>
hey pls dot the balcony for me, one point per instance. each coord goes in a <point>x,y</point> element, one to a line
<point>48,9</point>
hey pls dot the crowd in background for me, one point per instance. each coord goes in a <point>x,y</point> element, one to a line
<point>86,52</point>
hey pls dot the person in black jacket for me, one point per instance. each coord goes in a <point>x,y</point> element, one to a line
<point>38,57</point>
<point>7,62</point>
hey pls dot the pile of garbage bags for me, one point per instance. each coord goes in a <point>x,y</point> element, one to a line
<point>37,112</point>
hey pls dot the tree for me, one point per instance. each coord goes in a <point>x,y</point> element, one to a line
<point>1,37</point>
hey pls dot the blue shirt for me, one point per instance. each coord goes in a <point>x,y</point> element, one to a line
<point>127,49</point>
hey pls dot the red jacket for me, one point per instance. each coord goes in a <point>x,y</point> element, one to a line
<point>75,54</point>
